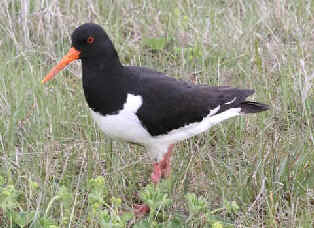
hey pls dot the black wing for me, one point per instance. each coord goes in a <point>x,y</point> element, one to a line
<point>169,103</point>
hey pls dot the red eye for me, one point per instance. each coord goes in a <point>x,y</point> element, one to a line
<point>90,39</point>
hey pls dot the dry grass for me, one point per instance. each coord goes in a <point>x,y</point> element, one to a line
<point>265,162</point>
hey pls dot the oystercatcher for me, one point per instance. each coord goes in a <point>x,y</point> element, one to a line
<point>142,106</point>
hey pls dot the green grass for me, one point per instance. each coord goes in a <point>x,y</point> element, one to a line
<point>57,169</point>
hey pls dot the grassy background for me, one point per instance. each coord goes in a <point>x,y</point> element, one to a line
<point>50,148</point>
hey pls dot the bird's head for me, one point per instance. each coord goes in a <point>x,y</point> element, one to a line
<point>89,41</point>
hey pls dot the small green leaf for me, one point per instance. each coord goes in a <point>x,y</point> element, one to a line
<point>116,202</point>
<point>177,12</point>
<point>217,225</point>
<point>195,205</point>
<point>2,180</point>
<point>283,167</point>
<point>46,222</point>
<point>258,58</point>
<point>143,224</point>
<point>126,217</point>
<point>22,218</point>
<point>234,206</point>
<point>34,185</point>
<point>155,44</point>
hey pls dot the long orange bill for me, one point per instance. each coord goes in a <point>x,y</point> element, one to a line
<point>72,55</point>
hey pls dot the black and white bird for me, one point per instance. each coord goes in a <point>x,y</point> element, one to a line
<point>142,106</point>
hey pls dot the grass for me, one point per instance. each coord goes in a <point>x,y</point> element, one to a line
<point>57,169</point>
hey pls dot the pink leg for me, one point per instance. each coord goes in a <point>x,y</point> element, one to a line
<point>156,174</point>
<point>162,168</point>
<point>166,163</point>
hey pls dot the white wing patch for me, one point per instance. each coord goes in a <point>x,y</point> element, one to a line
<point>230,102</point>
<point>214,111</point>
<point>196,128</point>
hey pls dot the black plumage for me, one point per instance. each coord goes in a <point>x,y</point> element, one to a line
<point>146,107</point>
<point>168,103</point>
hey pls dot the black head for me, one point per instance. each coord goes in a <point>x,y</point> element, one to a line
<point>91,44</point>
<point>92,41</point>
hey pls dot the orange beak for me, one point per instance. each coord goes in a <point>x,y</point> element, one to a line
<point>72,55</point>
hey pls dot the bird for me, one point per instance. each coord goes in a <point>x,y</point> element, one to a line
<point>146,107</point>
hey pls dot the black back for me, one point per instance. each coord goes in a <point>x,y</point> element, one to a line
<point>167,103</point>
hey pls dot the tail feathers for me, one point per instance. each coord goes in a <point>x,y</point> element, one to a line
<point>253,107</point>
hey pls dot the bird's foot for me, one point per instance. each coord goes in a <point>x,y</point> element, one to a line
<point>141,210</point>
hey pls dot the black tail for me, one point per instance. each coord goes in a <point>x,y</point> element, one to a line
<point>253,107</point>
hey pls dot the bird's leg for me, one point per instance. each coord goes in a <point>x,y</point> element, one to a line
<point>162,168</point>
<point>165,163</point>
<point>156,174</point>
<point>141,210</point>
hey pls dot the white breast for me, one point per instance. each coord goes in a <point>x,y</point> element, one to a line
<point>125,124</point>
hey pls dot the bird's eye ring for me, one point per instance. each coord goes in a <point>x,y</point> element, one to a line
<point>90,40</point>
